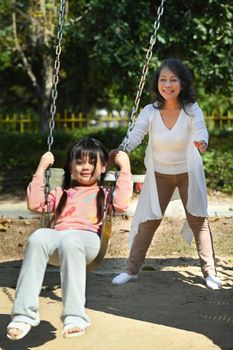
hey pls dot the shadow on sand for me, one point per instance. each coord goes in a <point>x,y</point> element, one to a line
<point>170,298</point>
<point>167,293</point>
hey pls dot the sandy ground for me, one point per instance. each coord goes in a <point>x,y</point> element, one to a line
<point>168,308</point>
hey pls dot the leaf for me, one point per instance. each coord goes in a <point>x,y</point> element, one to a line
<point>4,226</point>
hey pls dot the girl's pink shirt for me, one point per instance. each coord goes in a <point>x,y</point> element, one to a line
<point>80,210</point>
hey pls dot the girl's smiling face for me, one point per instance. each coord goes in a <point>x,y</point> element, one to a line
<point>169,85</point>
<point>86,171</point>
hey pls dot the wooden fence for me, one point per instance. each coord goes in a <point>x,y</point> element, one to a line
<point>68,121</point>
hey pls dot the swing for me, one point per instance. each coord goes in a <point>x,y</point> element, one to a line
<point>53,176</point>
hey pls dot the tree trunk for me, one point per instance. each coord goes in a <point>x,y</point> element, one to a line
<point>45,101</point>
<point>41,31</point>
<point>44,115</point>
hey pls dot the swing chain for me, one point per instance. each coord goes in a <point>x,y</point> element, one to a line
<point>145,68</point>
<point>56,73</point>
<point>54,92</point>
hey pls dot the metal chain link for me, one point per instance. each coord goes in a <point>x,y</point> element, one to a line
<point>54,92</point>
<point>145,68</point>
<point>56,73</point>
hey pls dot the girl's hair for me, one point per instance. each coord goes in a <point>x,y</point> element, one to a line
<point>186,95</point>
<point>86,147</point>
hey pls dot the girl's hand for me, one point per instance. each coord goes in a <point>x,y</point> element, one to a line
<point>201,146</point>
<point>46,160</point>
<point>122,161</point>
<point>112,155</point>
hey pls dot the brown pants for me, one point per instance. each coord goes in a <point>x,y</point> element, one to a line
<point>166,185</point>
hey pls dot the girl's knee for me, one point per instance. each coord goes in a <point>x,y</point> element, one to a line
<point>37,237</point>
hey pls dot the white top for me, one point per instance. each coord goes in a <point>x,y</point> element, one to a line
<point>193,125</point>
<point>169,145</point>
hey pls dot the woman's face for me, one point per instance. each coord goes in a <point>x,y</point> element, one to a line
<point>169,85</point>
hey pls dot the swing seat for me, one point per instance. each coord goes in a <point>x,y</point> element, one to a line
<point>104,242</point>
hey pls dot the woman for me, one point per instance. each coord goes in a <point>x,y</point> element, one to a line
<point>177,131</point>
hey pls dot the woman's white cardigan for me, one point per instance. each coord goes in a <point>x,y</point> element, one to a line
<point>148,207</point>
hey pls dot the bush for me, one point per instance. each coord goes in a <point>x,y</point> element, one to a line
<point>218,162</point>
<point>19,155</point>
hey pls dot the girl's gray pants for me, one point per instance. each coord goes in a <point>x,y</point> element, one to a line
<point>74,249</point>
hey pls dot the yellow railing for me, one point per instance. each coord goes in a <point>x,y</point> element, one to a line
<point>16,122</point>
<point>25,122</point>
<point>71,121</point>
<point>214,121</point>
<point>68,121</point>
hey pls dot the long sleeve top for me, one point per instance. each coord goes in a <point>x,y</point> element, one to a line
<point>80,212</point>
<point>192,124</point>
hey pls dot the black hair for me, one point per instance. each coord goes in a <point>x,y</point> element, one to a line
<point>186,95</point>
<point>92,148</point>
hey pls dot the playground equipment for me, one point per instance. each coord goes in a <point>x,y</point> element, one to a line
<point>107,223</point>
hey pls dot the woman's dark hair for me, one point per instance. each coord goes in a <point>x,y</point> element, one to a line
<point>90,147</point>
<point>186,95</point>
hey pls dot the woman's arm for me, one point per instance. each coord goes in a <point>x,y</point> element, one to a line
<point>200,134</point>
<point>140,129</point>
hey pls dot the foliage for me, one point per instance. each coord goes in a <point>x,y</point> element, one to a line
<point>203,39</point>
<point>28,34</point>
<point>103,55</point>
<point>19,155</point>
<point>218,162</point>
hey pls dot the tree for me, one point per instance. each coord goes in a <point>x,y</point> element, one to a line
<point>200,33</point>
<point>104,54</point>
<point>104,49</point>
<point>33,43</point>
<point>32,39</point>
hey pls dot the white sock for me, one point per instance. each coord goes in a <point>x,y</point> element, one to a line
<point>123,278</point>
<point>213,282</point>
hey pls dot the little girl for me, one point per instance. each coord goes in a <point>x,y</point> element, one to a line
<point>75,236</point>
